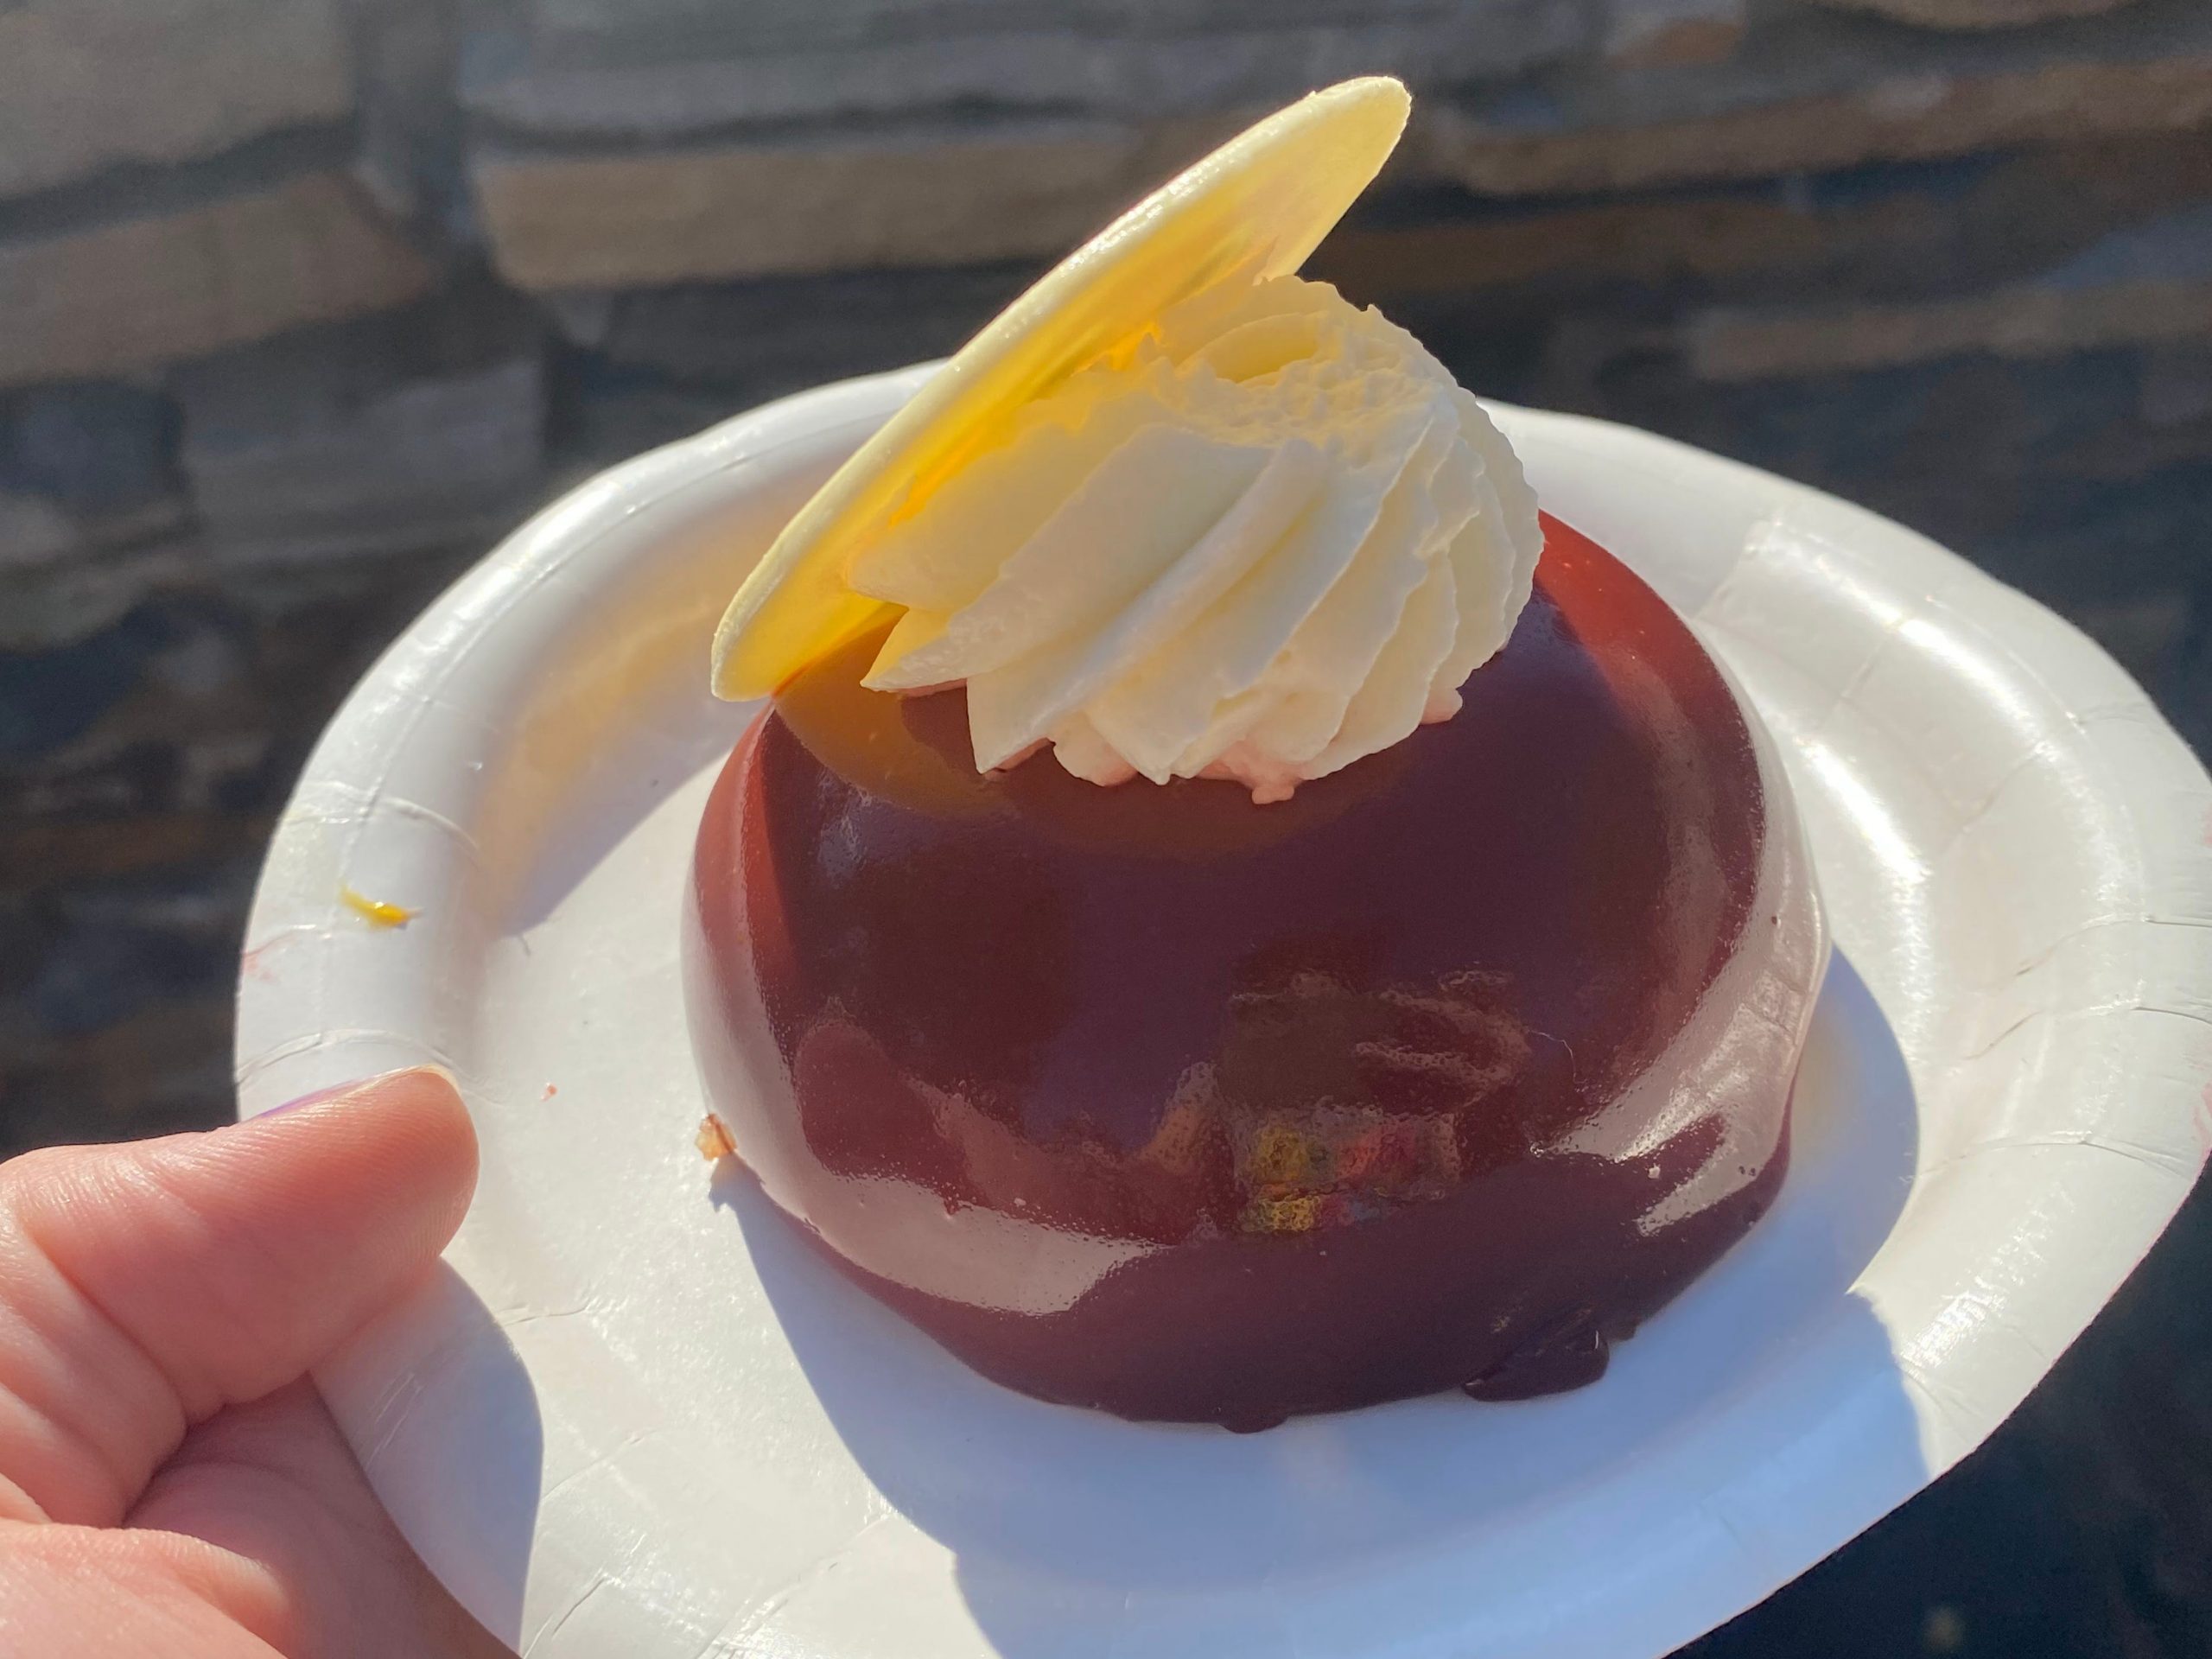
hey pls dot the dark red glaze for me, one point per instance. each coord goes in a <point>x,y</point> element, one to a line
<point>1447,1073</point>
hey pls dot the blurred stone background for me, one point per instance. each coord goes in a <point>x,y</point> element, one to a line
<point>302,302</point>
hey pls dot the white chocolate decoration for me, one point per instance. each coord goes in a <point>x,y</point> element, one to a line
<point>1270,535</point>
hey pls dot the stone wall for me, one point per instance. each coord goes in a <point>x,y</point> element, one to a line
<point>303,301</point>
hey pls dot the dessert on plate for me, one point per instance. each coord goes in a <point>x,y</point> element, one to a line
<point>1226,909</point>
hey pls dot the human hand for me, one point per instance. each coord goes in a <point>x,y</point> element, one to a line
<point>170,1483</point>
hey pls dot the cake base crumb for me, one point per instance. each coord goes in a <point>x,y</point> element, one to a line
<point>714,1140</point>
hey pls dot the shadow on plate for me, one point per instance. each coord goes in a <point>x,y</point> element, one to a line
<point>1165,1510</point>
<point>442,1360</point>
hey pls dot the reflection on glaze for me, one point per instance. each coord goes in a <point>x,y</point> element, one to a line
<point>1446,1073</point>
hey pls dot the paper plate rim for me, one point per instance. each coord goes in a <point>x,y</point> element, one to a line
<point>2151,784</point>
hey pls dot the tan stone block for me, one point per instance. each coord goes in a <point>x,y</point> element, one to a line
<point>1668,34</point>
<point>124,1074</point>
<point>88,84</point>
<point>922,196</point>
<point>50,853</point>
<point>109,298</point>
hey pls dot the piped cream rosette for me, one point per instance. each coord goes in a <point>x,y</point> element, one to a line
<point>1176,512</point>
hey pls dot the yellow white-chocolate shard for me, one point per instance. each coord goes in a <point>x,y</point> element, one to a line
<point>1251,211</point>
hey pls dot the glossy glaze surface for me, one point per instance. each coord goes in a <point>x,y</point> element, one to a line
<point>1447,1073</point>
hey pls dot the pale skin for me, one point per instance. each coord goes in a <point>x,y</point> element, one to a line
<point>171,1482</point>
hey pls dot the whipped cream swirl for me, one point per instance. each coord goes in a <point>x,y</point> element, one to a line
<point>1268,538</point>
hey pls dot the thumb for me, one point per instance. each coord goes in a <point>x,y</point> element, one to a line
<point>145,1287</point>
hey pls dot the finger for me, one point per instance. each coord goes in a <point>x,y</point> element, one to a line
<point>145,1287</point>
<point>91,1593</point>
<point>322,1568</point>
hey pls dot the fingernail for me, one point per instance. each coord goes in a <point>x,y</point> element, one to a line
<point>335,1090</point>
<point>354,1087</point>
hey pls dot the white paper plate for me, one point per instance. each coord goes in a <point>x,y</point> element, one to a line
<point>636,1419</point>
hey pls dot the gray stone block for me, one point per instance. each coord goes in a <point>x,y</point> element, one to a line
<point>780,333</point>
<point>647,30</point>
<point>2043,470</point>
<point>606,418</point>
<point>2144,632</point>
<point>2177,385</point>
<point>409,127</point>
<point>76,597</point>
<point>85,84</point>
<point>935,157</point>
<point>54,695</point>
<point>393,432</point>
<point>1977,14</point>
<point>1809,92</point>
<point>124,948</point>
<point>1586,284</point>
<point>664,363</point>
<point>665,82</point>
<point>2147,283</point>
<point>84,467</point>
